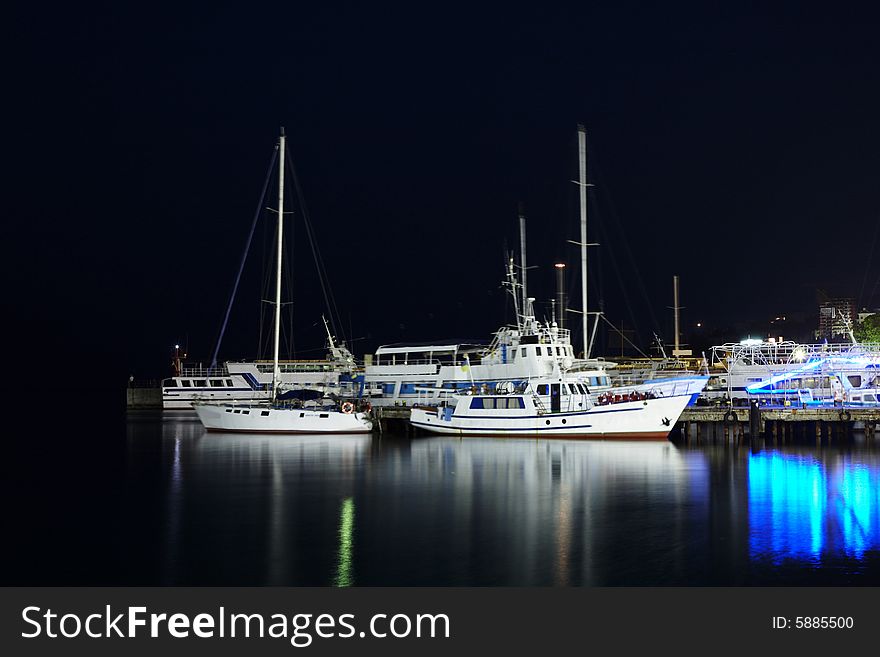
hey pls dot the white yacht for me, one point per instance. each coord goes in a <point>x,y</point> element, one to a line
<point>561,407</point>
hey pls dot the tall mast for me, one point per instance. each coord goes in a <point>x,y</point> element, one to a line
<point>275,369</point>
<point>676,308</point>
<point>522,250</point>
<point>582,186</point>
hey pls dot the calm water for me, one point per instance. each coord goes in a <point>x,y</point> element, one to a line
<point>161,502</point>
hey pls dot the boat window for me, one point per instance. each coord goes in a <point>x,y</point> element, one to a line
<point>870,398</point>
<point>522,352</point>
<point>228,410</point>
<point>324,415</point>
<point>302,414</point>
<point>171,383</point>
<point>228,383</point>
<point>477,402</point>
<point>237,410</point>
<point>217,383</point>
<point>264,413</point>
<point>855,380</point>
<point>246,412</point>
<point>200,383</point>
<point>558,351</point>
<point>488,402</point>
<point>537,351</point>
<point>543,389</point>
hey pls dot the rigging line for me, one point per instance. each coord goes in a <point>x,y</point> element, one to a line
<point>621,334</point>
<point>617,269</point>
<point>244,257</point>
<point>597,174</point>
<point>868,264</point>
<point>319,263</point>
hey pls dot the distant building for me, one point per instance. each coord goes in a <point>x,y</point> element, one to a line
<point>836,319</point>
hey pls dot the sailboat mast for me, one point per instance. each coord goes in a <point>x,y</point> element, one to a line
<point>275,369</point>
<point>582,186</point>
<point>676,308</point>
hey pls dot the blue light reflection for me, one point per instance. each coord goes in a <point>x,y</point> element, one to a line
<point>804,509</point>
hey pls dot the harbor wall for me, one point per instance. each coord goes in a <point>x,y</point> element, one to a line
<point>143,398</point>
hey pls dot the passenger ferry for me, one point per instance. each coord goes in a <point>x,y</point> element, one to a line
<point>789,372</point>
<point>251,381</point>
<point>402,374</point>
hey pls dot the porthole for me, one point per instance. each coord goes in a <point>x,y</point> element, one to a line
<point>548,421</point>
<point>563,421</point>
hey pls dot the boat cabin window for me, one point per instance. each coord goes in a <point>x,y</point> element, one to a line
<point>185,382</point>
<point>171,383</point>
<point>216,383</point>
<point>537,351</point>
<point>264,413</point>
<point>522,352</point>
<point>543,389</point>
<point>869,398</point>
<point>497,402</point>
<point>558,351</point>
<point>855,380</point>
<point>200,383</point>
<point>228,383</point>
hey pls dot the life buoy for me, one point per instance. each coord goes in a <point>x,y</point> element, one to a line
<point>730,417</point>
<point>347,407</point>
<point>845,416</point>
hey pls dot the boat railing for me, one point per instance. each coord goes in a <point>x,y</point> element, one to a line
<point>202,371</point>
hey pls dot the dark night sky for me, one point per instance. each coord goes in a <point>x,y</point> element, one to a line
<point>737,148</point>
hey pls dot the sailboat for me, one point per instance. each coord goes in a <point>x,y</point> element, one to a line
<point>279,416</point>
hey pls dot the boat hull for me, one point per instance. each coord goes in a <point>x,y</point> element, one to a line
<point>643,419</point>
<point>262,419</point>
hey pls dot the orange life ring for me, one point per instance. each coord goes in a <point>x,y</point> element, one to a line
<point>347,407</point>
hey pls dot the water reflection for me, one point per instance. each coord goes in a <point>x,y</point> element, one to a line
<point>230,509</point>
<point>811,506</point>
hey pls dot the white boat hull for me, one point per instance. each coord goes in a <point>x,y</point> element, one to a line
<point>650,419</point>
<point>264,419</point>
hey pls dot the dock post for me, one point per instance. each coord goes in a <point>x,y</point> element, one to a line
<point>754,419</point>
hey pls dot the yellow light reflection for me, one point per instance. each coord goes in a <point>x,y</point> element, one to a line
<point>346,527</point>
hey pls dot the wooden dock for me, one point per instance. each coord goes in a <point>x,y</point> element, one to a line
<point>776,423</point>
